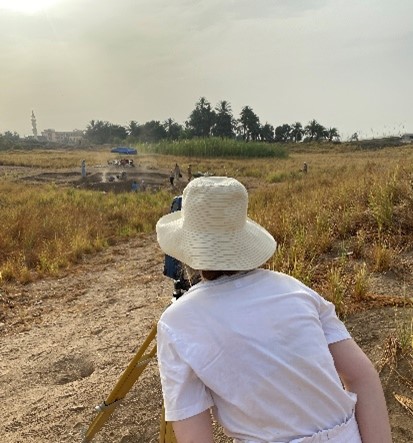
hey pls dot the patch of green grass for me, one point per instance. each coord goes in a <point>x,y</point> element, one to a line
<point>216,147</point>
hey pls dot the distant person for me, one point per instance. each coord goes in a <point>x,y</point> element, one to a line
<point>177,172</point>
<point>189,173</point>
<point>305,168</point>
<point>172,178</point>
<point>135,186</point>
<point>83,168</point>
<point>143,185</point>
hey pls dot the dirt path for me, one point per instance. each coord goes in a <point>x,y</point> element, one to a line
<point>65,342</point>
<point>89,325</point>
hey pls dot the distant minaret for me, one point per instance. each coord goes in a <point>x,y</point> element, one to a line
<point>34,126</point>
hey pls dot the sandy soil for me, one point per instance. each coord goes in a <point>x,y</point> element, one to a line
<point>65,342</point>
<point>103,178</point>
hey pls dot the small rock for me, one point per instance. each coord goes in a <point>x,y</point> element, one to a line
<point>78,408</point>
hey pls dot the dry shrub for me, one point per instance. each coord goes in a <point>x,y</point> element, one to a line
<point>359,243</point>
<point>381,257</point>
<point>361,283</point>
<point>335,288</point>
<point>391,350</point>
<point>397,356</point>
<point>48,228</point>
<point>404,334</point>
<point>399,343</point>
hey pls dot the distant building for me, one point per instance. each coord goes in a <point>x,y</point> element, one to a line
<point>34,125</point>
<point>63,137</point>
<point>407,138</point>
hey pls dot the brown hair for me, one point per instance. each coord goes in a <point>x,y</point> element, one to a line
<point>213,275</point>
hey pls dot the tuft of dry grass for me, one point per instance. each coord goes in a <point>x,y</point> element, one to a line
<point>391,350</point>
<point>361,283</point>
<point>398,351</point>
<point>406,402</point>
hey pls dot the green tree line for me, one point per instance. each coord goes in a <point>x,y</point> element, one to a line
<point>203,122</point>
<point>208,121</point>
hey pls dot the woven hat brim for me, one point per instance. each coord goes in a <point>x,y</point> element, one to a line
<point>239,250</point>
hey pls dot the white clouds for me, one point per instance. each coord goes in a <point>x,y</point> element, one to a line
<point>340,60</point>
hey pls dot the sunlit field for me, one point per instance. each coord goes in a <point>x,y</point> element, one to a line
<point>351,215</point>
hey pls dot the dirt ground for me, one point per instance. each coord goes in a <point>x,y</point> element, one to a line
<point>65,342</point>
<point>104,178</point>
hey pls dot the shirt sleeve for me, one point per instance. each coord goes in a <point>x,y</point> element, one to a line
<point>185,395</point>
<point>334,329</point>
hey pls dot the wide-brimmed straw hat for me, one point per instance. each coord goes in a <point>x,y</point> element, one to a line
<point>212,231</point>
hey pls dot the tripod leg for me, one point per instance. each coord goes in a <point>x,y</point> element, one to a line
<point>122,387</point>
<point>166,434</point>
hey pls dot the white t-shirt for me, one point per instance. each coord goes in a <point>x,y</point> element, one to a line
<point>255,348</point>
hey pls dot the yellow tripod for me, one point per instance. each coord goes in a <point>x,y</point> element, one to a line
<point>123,386</point>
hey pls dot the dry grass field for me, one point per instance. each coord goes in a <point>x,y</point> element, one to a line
<point>81,274</point>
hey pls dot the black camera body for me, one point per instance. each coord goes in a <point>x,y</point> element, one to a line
<point>173,268</point>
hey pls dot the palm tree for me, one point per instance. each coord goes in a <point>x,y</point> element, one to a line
<point>224,121</point>
<point>282,133</point>
<point>311,129</point>
<point>223,107</point>
<point>297,132</point>
<point>168,123</point>
<point>173,129</point>
<point>267,133</point>
<point>201,119</point>
<point>315,131</point>
<point>250,124</point>
<point>333,134</point>
<point>321,133</point>
<point>134,128</point>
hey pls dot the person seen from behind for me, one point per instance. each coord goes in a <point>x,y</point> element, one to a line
<point>177,172</point>
<point>134,186</point>
<point>264,353</point>
<point>305,168</point>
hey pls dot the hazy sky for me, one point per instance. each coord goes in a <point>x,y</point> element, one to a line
<point>346,63</point>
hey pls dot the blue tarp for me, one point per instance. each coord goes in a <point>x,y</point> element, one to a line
<point>124,150</point>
